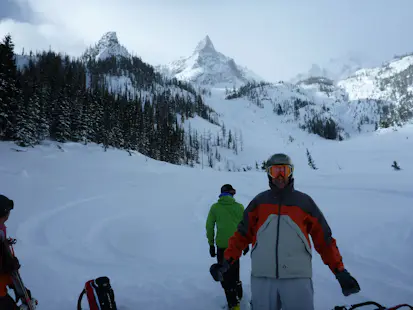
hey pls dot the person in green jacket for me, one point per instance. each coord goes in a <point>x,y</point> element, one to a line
<point>226,214</point>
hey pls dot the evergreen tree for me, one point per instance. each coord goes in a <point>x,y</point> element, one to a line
<point>229,139</point>
<point>26,132</point>
<point>310,160</point>
<point>9,90</point>
<point>66,99</point>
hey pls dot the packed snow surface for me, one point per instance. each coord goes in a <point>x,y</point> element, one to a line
<point>81,213</point>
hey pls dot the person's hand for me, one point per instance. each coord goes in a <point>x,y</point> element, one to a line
<point>212,251</point>
<point>348,284</point>
<point>15,264</point>
<point>11,265</point>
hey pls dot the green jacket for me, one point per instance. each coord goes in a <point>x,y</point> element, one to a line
<point>226,214</point>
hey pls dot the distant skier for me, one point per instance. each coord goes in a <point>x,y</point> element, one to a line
<point>226,214</point>
<point>278,223</point>
<point>8,264</point>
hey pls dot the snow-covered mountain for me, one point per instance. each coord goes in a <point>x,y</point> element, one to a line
<point>106,47</point>
<point>337,68</point>
<point>331,108</point>
<point>369,99</point>
<point>315,106</point>
<point>391,83</point>
<point>206,66</point>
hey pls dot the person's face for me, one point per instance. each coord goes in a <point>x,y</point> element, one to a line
<point>5,218</point>
<point>280,181</point>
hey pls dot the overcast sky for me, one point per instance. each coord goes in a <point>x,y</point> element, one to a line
<point>275,38</point>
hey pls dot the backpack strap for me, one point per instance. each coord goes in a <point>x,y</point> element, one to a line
<point>91,295</point>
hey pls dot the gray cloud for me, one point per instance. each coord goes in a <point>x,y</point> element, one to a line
<point>16,10</point>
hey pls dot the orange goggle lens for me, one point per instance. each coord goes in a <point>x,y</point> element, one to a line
<point>276,170</point>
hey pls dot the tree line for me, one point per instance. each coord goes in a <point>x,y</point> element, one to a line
<point>63,99</point>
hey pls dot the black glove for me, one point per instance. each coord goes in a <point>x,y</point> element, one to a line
<point>11,264</point>
<point>246,250</point>
<point>212,251</point>
<point>15,264</point>
<point>217,270</point>
<point>348,284</point>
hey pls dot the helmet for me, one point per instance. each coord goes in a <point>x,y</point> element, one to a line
<point>280,159</point>
<point>6,205</point>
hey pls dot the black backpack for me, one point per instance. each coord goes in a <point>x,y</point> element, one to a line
<point>99,293</point>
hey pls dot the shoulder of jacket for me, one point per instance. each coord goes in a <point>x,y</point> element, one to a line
<point>262,195</point>
<point>239,204</point>
<point>213,206</point>
<point>302,195</point>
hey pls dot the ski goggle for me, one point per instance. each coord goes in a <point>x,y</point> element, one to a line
<point>280,170</point>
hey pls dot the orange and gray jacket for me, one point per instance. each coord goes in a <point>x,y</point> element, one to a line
<point>278,224</point>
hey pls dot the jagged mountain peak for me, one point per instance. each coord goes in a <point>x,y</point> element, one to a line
<point>205,45</point>
<point>107,46</point>
<point>109,38</point>
<point>208,67</point>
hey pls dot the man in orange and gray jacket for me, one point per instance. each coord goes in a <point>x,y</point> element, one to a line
<point>278,223</point>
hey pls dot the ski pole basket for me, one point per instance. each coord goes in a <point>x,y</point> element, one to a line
<point>99,294</point>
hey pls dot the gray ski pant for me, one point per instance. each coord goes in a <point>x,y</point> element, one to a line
<point>285,294</point>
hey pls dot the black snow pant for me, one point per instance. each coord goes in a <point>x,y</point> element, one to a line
<point>7,303</point>
<point>231,283</point>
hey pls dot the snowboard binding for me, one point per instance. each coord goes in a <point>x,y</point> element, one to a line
<point>373,303</point>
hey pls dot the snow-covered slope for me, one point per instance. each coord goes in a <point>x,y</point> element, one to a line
<point>364,102</point>
<point>207,66</point>
<point>337,68</point>
<point>391,83</point>
<point>388,82</point>
<point>309,105</point>
<point>87,213</point>
<point>106,47</point>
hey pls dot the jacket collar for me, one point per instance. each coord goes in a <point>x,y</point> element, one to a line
<point>282,191</point>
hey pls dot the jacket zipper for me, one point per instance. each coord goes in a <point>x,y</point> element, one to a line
<point>277,241</point>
